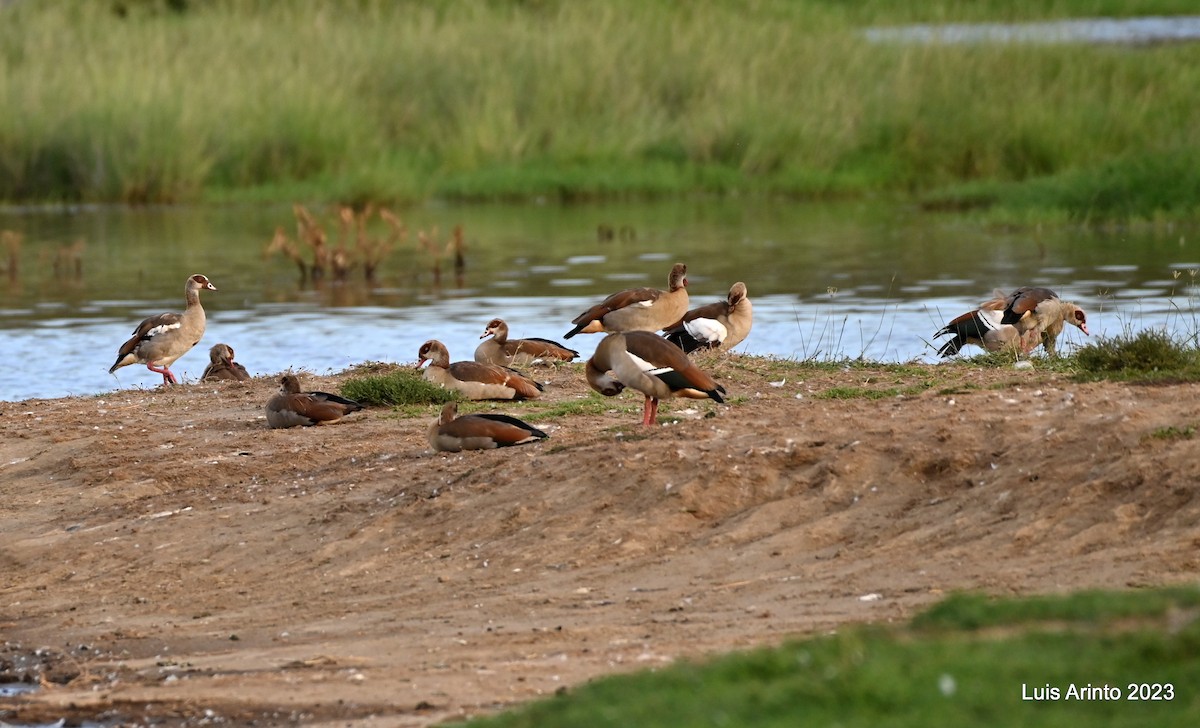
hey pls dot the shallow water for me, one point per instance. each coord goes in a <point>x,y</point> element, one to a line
<point>1076,30</point>
<point>828,281</point>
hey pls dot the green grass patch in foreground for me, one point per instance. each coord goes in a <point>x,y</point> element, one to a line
<point>939,675</point>
<point>400,387</point>
<point>1149,355</point>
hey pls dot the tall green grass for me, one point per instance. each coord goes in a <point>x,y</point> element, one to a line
<point>403,100</point>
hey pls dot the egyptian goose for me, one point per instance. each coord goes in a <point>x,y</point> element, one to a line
<point>159,340</point>
<point>222,366</point>
<point>479,431</point>
<point>980,327</point>
<point>637,309</point>
<point>293,408</point>
<point>503,351</point>
<point>721,325</point>
<point>1038,310</point>
<point>472,379</point>
<point>650,364</point>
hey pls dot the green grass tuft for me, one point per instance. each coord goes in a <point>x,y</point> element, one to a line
<point>398,388</point>
<point>1172,432</point>
<point>1148,355</point>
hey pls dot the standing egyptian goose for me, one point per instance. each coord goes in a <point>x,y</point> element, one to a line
<point>980,327</point>
<point>650,364</point>
<point>503,351</point>
<point>482,431</point>
<point>159,340</point>
<point>721,325</point>
<point>222,366</point>
<point>473,379</point>
<point>293,408</point>
<point>637,309</point>
<point>1041,311</point>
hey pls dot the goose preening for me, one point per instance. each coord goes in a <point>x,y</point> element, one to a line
<point>503,351</point>
<point>721,325</point>
<point>293,408</point>
<point>650,364</point>
<point>473,379</point>
<point>222,366</point>
<point>637,309</point>
<point>159,340</point>
<point>483,431</point>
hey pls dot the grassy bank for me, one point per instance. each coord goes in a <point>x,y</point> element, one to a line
<point>401,101</point>
<point>943,670</point>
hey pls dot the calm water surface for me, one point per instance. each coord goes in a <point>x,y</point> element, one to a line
<point>828,281</point>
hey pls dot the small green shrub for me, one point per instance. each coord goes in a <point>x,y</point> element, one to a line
<point>1172,432</point>
<point>1147,354</point>
<point>400,387</point>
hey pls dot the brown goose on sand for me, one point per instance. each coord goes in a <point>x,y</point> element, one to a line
<point>473,379</point>
<point>653,366</point>
<point>482,431</point>
<point>1040,311</point>
<point>503,351</point>
<point>721,325</point>
<point>293,408</point>
<point>637,309</point>
<point>222,366</point>
<point>159,340</point>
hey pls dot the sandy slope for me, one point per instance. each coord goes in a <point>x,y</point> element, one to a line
<point>170,555</point>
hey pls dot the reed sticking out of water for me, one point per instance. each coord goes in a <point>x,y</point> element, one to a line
<point>370,248</point>
<point>68,260</point>
<point>11,240</point>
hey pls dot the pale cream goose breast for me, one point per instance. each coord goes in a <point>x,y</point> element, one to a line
<point>637,309</point>
<point>160,340</point>
<point>474,380</point>
<point>503,351</point>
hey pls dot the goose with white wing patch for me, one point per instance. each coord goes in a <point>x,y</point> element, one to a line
<point>653,366</point>
<point>721,325</point>
<point>159,340</point>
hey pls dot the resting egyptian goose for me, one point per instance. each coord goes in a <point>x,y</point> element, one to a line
<point>503,351</point>
<point>1038,310</point>
<point>721,325</point>
<point>980,327</point>
<point>637,309</point>
<point>293,408</point>
<point>159,340</point>
<point>479,431</point>
<point>472,379</point>
<point>650,364</point>
<point>222,366</point>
